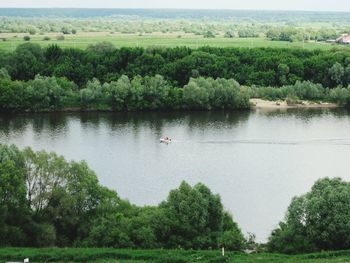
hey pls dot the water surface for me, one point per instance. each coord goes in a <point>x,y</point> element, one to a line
<point>257,161</point>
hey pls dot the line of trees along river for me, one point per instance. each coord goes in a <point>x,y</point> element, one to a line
<point>48,201</point>
<point>151,93</point>
<point>258,66</point>
<point>105,78</point>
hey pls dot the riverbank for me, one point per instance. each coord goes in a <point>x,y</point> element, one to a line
<point>282,104</point>
<point>254,104</point>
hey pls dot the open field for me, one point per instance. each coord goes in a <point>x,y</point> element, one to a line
<point>127,255</point>
<point>9,41</point>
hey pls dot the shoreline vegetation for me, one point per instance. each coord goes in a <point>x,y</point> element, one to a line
<point>103,78</point>
<point>50,203</point>
<point>52,94</point>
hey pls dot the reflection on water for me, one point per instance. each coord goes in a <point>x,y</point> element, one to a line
<point>257,161</point>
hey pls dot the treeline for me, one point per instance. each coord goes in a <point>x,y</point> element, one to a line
<point>284,30</point>
<point>139,93</point>
<point>301,90</point>
<point>258,66</point>
<point>47,201</point>
<point>151,93</point>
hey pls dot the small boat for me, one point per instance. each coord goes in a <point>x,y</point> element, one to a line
<point>165,140</point>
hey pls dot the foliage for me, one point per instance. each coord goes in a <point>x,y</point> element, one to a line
<point>47,201</point>
<point>202,93</point>
<point>139,93</point>
<point>340,95</point>
<point>258,66</point>
<point>304,90</point>
<point>60,37</point>
<point>318,220</point>
<point>42,93</point>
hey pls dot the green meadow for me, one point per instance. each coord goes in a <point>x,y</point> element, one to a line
<point>9,41</point>
<point>129,255</point>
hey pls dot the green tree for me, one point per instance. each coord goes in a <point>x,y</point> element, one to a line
<point>336,73</point>
<point>13,205</point>
<point>283,71</point>
<point>317,220</point>
<point>4,74</point>
<point>196,218</point>
<point>26,62</point>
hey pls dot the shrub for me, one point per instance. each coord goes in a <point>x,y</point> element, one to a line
<point>60,37</point>
<point>292,100</point>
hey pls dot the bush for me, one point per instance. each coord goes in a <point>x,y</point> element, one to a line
<point>207,93</point>
<point>60,37</point>
<point>292,100</point>
<point>304,90</point>
<point>26,38</point>
<point>340,95</point>
<point>46,38</point>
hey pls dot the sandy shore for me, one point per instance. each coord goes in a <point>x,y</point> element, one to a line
<point>281,104</point>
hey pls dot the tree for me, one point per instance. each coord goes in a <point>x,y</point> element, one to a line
<point>13,205</point>
<point>60,37</point>
<point>101,48</point>
<point>317,220</point>
<point>283,71</point>
<point>196,219</point>
<point>4,74</point>
<point>53,53</point>
<point>336,73</point>
<point>26,62</point>
<point>92,94</point>
<point>347,75</point>
<point>208,34</point>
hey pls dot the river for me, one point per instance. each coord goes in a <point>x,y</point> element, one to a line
<point>256,160</point>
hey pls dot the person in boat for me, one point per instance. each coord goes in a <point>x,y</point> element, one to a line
<point>167,139</point>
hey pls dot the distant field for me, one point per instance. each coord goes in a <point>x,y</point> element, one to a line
<point>104,255</point>
<point>9,41</point>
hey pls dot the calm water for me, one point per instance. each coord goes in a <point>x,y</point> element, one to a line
<point>257,161</point>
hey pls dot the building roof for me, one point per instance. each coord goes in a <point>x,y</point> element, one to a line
<point>345,38</point>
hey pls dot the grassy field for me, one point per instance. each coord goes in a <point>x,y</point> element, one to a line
<point>9,41</point>
<point>170,256</point>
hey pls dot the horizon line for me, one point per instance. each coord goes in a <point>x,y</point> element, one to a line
<point>196,9</point>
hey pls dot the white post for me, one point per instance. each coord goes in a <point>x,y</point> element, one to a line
<point>222,251</point>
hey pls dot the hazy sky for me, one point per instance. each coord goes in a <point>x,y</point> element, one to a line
<point>324,5</point>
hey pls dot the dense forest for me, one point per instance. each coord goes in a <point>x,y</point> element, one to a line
<point>259,66</point>
<point>104,78</point>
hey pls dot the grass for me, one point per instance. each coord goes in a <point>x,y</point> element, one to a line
<point>82,40</point>
<point>109,255</point>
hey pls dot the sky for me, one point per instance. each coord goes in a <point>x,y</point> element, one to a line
<point>309,5</point>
